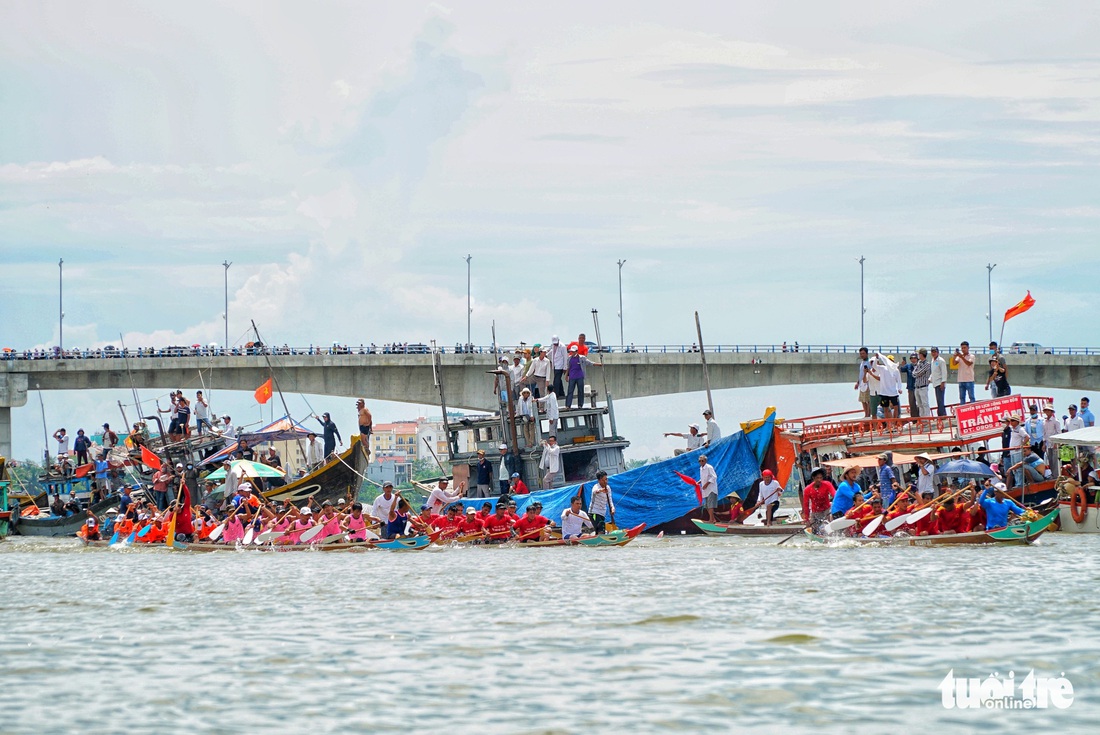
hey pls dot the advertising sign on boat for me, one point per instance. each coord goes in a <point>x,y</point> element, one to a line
<point>984,417</point>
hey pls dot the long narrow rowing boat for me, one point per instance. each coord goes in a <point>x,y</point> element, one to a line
<point>412,543</point>
<point>739,529</point>
<point>1019,534</point>
<point>619,537</point>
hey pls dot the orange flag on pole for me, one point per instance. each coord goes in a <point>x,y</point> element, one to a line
<point>263,393</point>
<point>1021,307</point>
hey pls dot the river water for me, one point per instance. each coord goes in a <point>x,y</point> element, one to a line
<point>685,634</point>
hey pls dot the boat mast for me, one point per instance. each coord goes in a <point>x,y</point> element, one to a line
<point>437,374</point>
<point>607,393</point>
<point>703,356</point>
<point>45,431</point>
<point>271,371</point>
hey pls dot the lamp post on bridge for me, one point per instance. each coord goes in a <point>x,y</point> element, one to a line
<point>469,303</point>
<point>862,310</point>
<point>225,316</point>
<point>61,306</point>
<point>622,340</point>
<point>989,286</point>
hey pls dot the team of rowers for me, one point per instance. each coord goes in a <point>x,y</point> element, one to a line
<point>967,509</point>
<point>251,518</point>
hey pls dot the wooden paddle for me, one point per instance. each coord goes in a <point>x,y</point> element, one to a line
<point>873,525</point>
<point>842,523</point>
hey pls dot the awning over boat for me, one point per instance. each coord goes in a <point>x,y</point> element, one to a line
<point>284,429</point>
<point>871,460</point>
<point>1087,437</point>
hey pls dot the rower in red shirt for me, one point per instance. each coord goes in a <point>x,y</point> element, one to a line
<point>952,517</point>
<point>499,524</point>
<point>864,512</point>
<point>448,524</point>
<point>485,512</point>
<point>926,526</point>
<point>817,499</point>
<point>532,526</point>
<point>471,525</point>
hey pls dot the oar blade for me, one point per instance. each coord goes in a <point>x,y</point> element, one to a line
<point>312,533</point>
<point>920,515</point>
<point>248,536</point>
<point>217,532</point>
<point>898,522</point>
<point>870,528</point>
<point>839,524</point>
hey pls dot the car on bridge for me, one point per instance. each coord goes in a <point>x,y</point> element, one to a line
<point>1028,348</point>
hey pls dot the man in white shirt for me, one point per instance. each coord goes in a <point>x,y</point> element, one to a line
<point>693,437</point>
<point>713,432</point>
<point>540,371</point>
<point>551,461</point>
<point>602,505</point>
<point>440,498</point>
<point>573,520</point>
<point>228,432</point>
<point>314,452</point>
<point>526,411</point>
<point>1017,438</point>
<point>1050,428</point>
<point>63,441</point>
<point>202,413</point>
<point>938,381</point>
<point>1073,421</point>
<point>770,491</point>
<point>861,381</point>
<point>518,370</point>
<point>558,357</point>
<point>708,485</point>
<point>384,503</point>
<point>889,388</point>
<point>550,403</point>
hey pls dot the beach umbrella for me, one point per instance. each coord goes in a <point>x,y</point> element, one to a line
<point>965,468</point>
<point>249,468</point>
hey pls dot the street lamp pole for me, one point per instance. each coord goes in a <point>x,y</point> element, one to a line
<point>226,264</point>
<point>60,304</point>
<point>469,303</point>
<point>622,340</point>
<point>862,310</point>
<point>989,286</point>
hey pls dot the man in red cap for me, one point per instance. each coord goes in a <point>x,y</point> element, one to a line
<point>770,490</point>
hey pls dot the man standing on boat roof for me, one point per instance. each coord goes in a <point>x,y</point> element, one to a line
<point>550,405</point>
<point>551,461</point>
<point>713,433</point>
<point>366,422</point>
<point>484,469</point>
<point>558,358</point>
<point>330,431</point>
<point>708,486</point>
<point>576,374</point>
<point>861,382</point>
<point>202,413</point>
<point>526,412</point>
<point>314,455</point>
<point>694,439</point>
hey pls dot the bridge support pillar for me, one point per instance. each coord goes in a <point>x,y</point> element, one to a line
<point>13,393</point>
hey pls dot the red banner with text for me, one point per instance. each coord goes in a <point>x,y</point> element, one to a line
<point>984,417</point>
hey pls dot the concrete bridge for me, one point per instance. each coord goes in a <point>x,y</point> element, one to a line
<point>409,378</point>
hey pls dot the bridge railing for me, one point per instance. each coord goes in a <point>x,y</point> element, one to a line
<point>897,350</point>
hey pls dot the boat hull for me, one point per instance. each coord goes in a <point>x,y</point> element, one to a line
<point>726,529</point>
<point>1066,523</point>
<point>1019,534</point>
<point>46,525</point>
<point>614,538</point>
<point>336,479</point>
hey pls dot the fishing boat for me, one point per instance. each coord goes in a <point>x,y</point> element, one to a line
<point>740,529</point>
<point>1076,514</point>
<point>339,477</point>
<point>44,523</point>
<point>1018,534</point>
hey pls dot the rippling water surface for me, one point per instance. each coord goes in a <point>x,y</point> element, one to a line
<point>680,634</point>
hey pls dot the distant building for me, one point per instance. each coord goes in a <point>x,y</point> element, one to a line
<point>395,468</point>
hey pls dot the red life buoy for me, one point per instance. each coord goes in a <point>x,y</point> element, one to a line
<point>1078,505</point>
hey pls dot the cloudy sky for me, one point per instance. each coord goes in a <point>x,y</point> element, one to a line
<point>346,157</point>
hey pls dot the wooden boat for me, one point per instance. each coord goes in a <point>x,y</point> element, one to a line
<point>1090,524</point>
<point>739,529</point>
<point>1019,534</point>
<point>413,543</point>
<point>44,524</point>
<point>613,538</point>
<point>338,478</point>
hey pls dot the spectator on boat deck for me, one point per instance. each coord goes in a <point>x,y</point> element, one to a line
<point>713,433</point>
<point>1037,470</point>
<point>202,413</point>
<point>314,455</point>
<point>965,362</point>
<point>507,465</point>
<point>887,480</point>
<point>81,447</point>
<point>484,469</point>
<point>861,382</point>
<point>501,381</point>
<point>937,378</point>
<point>330,432</point>
<point>889,386</point>
<point>539,372</point>
<point>926,474</point>
<point>1086,415</point>
<point>558,357</point>
<point>1033,425</point>
<point>272,459</point>
<point>922,373</point>
<point>694,439</point>
<point>517,486</point>
<point>576,375</point>
<point>366,422</point>
<point>1017,439</point>
<point>62,443</point>
<point>1050,428</point>
<point>525,410</point>
<point>228,431</point>
<point>110,438</point>
<point>708,486</point>
<point>1073,422</point>
<point>550,403</point>
<point>518,369</point>
<point>909,369</point>
<point>244,451</point>
<point>551,461</point>
<point>161,482</point>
